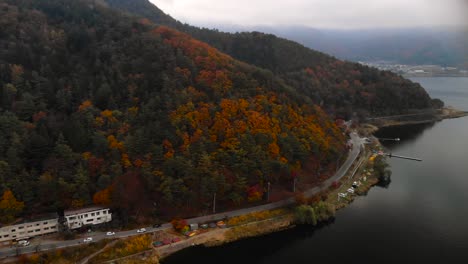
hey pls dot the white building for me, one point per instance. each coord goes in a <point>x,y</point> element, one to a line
<point>87,216</point>
<point>46,225</point>
<point>29,229</point>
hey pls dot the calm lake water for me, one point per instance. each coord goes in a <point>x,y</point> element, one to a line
<point>422,217</point>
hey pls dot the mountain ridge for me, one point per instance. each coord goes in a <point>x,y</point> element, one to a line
<point>100,108</point>
<point>321,75</point>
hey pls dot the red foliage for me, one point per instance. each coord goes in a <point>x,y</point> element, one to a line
<point>94,165</point>
<point>38,116</point>
<point>179,224</point>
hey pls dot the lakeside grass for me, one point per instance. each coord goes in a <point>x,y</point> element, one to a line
<point>123,248</point>
<point>64,256</point>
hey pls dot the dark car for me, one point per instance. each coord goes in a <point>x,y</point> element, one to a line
<point>156,225</point>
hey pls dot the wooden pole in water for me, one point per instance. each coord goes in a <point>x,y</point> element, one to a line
<point>402,157</point>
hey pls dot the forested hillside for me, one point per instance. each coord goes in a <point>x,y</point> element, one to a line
<point>100,108</point>
<point>341,88</point>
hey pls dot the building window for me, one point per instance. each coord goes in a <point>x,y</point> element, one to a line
<point>20,227</point>
<point>89,220</point>
<point>86,215</point>
<point>5,236</point>
<point>13,230</point>
<point>30,231</point>
<point>52,227</point>
<point>46,228</point>
<point>92,214</point>
<point>98,213</point>
<point>45,223</point>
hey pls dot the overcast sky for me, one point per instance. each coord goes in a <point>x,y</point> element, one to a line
<point>319,13</point>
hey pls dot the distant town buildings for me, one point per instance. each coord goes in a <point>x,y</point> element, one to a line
<point>417,70</point>
<point>50,224</point>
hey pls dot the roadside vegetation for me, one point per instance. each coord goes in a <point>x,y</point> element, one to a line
<point>64,256</point>
<point>123,248</point>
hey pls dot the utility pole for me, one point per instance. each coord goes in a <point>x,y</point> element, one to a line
<point>268,192</point>
<point>214,203</point>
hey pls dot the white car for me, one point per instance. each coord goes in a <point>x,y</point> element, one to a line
<point>110,233</point>
<point>88,239</point>
<point>23,243</point>
<point>351,190</point>
<point>141,230</point>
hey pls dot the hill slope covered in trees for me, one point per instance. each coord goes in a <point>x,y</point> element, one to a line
<point>100,108</point>
<point>341,88</point>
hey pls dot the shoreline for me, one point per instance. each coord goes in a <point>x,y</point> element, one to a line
<point>219,237</point>
<point>445,113</point>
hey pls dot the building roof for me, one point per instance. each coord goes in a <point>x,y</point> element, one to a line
<point>84,210</point>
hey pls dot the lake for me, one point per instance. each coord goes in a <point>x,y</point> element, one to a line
<point>421,217</point>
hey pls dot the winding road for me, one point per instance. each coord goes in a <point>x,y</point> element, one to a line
<point>38,245</point>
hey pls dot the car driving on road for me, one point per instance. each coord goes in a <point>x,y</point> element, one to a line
<point>141,230</point>
<point>88,239</point>
<point>110,233</point>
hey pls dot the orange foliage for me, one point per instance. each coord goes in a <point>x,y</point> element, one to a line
<point>85,105</point>
<point>204,55</point>
<point>114,143</point>
<point>169,149</point>
<point>103,197</point>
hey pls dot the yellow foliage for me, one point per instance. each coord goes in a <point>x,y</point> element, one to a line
<point>99,121</point>
<point>86,155</point>
<point>126,161</point>
<point>256,216</point>
<point>133,110</point>
<point>77,203</point>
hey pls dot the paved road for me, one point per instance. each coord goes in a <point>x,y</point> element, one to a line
<point>47,245</point>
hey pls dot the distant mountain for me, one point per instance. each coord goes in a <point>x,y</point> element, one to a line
<point>339,87</point>
<point>413,46</point>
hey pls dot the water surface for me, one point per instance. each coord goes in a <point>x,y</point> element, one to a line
<point>422,217</point>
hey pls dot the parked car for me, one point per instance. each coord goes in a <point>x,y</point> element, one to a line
<point>141,230</point>
<point>204,226</point>
<point>156,225</point>
<point>110,233</point>
<point>221,224</point>
<point>193,227</point>
<point>23,243</point>
<point>88,239</point>
<point>157,243</point>
<point>212,225</point>
<point>191,233</point>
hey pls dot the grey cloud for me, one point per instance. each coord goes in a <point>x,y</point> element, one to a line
<point>319,13</point>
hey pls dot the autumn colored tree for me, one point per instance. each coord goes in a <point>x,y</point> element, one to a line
<point>9,207</point>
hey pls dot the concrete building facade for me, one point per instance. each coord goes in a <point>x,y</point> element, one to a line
<point>47,225</point>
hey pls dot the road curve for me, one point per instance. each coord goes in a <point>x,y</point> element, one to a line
<point>357,144</point>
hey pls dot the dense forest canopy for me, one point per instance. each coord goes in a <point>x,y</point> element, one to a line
<point>97,107</point>
<point>341,88</point>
